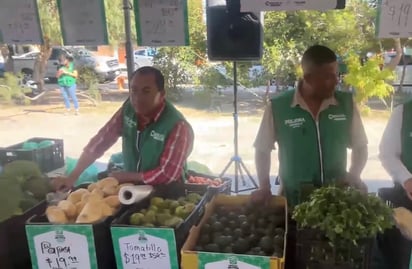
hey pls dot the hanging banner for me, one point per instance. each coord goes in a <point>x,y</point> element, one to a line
<point>83,22</point>
<point>161,22</point>
<point>290,5</point>
<point>20,23</point>
<point>394,19</point>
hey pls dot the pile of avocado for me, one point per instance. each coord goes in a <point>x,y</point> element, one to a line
<point>165,212</point>
<point>247,230</point>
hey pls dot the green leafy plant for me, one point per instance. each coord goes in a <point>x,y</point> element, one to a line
<point>344,215</point>
<point>11,91</point>
<point>89,81</point>
<point>368,79</point>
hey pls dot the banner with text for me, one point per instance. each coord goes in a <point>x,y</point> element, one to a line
<point>83,22</point>
<point>394,19</point>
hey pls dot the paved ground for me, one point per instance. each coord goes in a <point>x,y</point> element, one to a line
<point>214,132</point>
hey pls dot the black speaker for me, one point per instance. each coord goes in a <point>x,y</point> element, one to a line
<point>233,35</point>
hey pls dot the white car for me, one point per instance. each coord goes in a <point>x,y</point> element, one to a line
<point>143,57</point>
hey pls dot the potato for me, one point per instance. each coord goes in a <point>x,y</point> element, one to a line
<point>107,210</point>
<point>56,215</point>
<point>68,207</point>
<point>77,195</point>
<point>112,201</point>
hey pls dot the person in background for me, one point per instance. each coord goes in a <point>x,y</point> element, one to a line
<point>66,79</point>
<point>156,137</point>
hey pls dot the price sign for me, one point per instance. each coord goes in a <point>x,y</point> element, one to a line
<point>19,22</point>
<point>144,248</point>
<point>83,22</point>
<point>218,260</point>
<point>161,22</point>
<point>61,247</point>
<point>394,19</point>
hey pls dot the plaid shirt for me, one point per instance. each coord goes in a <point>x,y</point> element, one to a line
<point>177,148</point>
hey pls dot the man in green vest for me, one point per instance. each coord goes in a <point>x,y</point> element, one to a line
<point>156,138</point>
<point>313,127</point>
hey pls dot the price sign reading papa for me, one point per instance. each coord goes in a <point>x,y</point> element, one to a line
<point>394,18</point>
<point>144,248</point>
<point>62,247</point>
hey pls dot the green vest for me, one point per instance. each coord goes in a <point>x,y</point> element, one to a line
<point>152,139</point>
<point>311,153</point>
<point>406,135</point>
<point>66,80</point>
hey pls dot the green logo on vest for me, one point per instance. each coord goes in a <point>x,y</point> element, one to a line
<point>295,123</point>
<point>157,136</point>
<point>129,122</point>
<point>338,117</point>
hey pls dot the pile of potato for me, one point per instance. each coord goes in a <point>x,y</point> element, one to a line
<point>90,205</point>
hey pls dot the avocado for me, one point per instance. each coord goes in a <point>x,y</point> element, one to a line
<point>242,218</point>
<point>223,241</point>
<point>232,224</point>
<point>232,215</point>
<point>227,231</point>
<point>278,240</point>
<point>212,219</point>
<point>253,239</point>
<point>266,244</point>
<point>245,226</point>
<point>241,246</point>
<point>223,220</point>
<point>228,249</point>
<point>205,228</point>
<point>237,233</point>
<point>204,239</point>
<point>261,222</point>
<point>217,227</point>
<point>211,248</point>
<point>279,231</point>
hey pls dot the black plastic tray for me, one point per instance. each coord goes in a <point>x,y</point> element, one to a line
<point>48,158</point>
<point>396,249</point>
<point>14,251</point>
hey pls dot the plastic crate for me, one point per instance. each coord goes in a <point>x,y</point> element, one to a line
<point>190,257</point>
<point>395,249</point>
<point>313,251</point>
<point>48,158</point>
<point>206,189</point>
<point>168,192</point>
<point>14,252</point>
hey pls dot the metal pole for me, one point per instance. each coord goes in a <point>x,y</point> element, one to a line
<point>127,7</point>
<point>235,115</point>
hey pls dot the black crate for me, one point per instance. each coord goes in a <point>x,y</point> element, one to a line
<point>313,251</point>
<point>101,234</point>
<point>210,191</point>
<point>48,158</point>
<point>395,249</point>
<point>14,251</point>
<point>173,192</point>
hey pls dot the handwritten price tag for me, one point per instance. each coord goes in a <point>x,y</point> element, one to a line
<point>162,22</point>
<point>144,248</point>
<point>60,249</point>
<point>394,18</point>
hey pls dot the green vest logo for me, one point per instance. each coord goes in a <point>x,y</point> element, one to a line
<point>338,117</point>
<point>233,263</point>
<point>142,237</point>
<point>59,236</point>
<point>157,136</point>
<point>295,123</point>
<point>129,122</point>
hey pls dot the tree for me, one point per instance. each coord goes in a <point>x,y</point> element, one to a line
<point>368,79</point>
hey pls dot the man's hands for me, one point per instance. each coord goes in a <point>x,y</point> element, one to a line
<point>356,182</point>
<point>261,196</point>
<point>63,184</point>
<point>408,188</point>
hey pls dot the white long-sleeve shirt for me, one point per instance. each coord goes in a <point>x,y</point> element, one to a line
<point>390,148</point>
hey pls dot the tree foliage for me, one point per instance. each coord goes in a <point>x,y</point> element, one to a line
<point>368,80</point>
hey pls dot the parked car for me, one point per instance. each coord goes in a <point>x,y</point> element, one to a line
<point>106,68</point>
<point>399,68</point>
<point>143,57</point>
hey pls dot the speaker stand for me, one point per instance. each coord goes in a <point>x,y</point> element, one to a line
<point>240,167</point>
